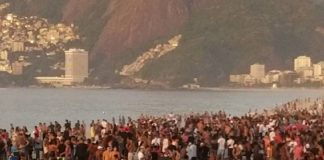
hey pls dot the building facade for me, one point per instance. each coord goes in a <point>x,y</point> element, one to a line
<point>301,63</point>
<point>76,65</point>
<point>318,69</point>
<point>257,71</point>
<point>76,69</point>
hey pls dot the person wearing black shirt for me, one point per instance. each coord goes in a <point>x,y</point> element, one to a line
<point>2,149</point>
<point>66,134</point>
<point>203,152</point>
<point>82,150</point>
<point>51,127</point>
<point>57,126</point>
<point>154,153</point>
<point>61,149</point>
<point>67,124</point>
<point>77,124</point>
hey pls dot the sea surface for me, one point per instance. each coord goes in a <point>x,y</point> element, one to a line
<point>29,106</point>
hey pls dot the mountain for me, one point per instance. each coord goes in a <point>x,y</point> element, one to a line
<point>218,37</point>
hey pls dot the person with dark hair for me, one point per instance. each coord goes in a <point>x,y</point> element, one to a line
<point>3,154</point>
<point>67,124</point>
<point>57,126</point>
<point>61,150</point>
<point>203,151</point>
<point>115,154</point>
<point>107,154</point>
<point>92,149</point>
<point>81,151</point>
<point>155,152</point>
<point>77,124</point>
<point>29,147</point>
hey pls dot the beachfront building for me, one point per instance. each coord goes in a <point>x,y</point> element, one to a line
<point>318,69</point>
<point>250,81</point>
<point>302,63</point>
<point>243,79</point>
<point>304,73</point>
<point>257,71</point>
<point>76,65</point>
<point>76,69</point>
<point>308,73</point>
<point>54,81</point>
<point>287,78</point>
<point>272,76</point>
<point>236,78</point>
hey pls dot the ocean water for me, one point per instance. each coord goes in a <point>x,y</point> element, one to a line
<point>29,106</point>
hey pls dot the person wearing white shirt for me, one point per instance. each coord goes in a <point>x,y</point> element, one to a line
<point>292,145</point>
<point>221,147</point>
<point>272,135</point>
<point>104,123</point>
<point>140,154</point>
<point>156,141</point>
<point>230,143</point>
<point>191,151</point>
<point>165,144</point>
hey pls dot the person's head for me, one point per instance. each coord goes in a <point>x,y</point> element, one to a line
<point>82,140</point>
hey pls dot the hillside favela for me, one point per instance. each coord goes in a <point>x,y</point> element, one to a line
<point>161,80</point>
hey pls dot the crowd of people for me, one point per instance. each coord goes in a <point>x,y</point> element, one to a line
<point>292,131</point>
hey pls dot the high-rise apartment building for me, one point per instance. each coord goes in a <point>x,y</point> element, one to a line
<point>319,69</point>
<point>257,71</point>
<point>76,65</point>
<point>301,63</point>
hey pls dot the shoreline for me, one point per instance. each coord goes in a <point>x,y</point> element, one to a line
<point>223,88</point>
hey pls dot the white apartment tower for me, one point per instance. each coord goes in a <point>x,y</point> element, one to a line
<point>76,65</point>
<point>301,63</point>
<point>319,69</point>
<point>257,71</point>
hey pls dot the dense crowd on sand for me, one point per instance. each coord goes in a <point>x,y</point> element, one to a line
<point>292,131</point>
